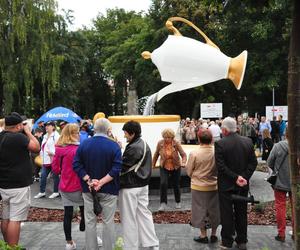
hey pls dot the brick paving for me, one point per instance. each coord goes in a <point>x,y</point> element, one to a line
<point>50,236</point>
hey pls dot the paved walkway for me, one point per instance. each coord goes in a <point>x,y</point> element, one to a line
<point>50,236</point>
<point>261,190</point>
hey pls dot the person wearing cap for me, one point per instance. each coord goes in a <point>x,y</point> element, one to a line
<point>15,175</point>
<point>47,153</point>
<point>236,162</point>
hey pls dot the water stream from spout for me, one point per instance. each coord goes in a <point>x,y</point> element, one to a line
<point>150,104</point>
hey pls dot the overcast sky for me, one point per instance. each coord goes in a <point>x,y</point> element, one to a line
<point>86,10</point>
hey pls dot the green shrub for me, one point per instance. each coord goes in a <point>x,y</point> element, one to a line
<point>4,246</point>
<point>119,244</point>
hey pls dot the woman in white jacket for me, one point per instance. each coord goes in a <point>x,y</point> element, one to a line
<point>47,152</point>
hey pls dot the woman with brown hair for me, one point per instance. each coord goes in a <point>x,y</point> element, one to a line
<point>69,185</point>
<point>267,144</point>
<point>202,170</point>
<point>172,158</point>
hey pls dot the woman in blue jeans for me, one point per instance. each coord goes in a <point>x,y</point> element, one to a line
<point>47,154</point>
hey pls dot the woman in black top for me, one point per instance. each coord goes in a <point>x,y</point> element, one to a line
<point>267,144</point>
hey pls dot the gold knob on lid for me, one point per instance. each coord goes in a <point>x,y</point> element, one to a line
<point>170,26</point>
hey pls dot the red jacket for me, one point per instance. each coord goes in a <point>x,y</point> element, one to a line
<point>62,164</point>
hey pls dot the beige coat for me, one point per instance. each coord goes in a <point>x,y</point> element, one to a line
<point>201,168</point>
<point>178,151</point>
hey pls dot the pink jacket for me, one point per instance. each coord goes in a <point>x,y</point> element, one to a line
<point>64,155</point>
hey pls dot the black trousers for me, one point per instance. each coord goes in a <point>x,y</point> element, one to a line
<point>175,180</point>
<point>233,218</point>
<point>68,216</point>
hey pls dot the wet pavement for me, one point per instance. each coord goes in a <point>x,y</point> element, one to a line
<point>49,235</point>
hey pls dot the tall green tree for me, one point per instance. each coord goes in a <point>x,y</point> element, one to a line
<point>29,66</point>
<point>123,36</point>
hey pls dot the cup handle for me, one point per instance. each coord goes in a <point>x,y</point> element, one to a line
<point>169,25</point>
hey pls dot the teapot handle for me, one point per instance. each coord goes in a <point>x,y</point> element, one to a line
<point>169,25</point>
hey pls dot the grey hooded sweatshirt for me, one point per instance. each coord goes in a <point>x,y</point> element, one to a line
<point>279,161</point>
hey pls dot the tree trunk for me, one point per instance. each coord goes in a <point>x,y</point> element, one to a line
<point>131,102</point>
<point>1,96</point>
<point>294,117</point>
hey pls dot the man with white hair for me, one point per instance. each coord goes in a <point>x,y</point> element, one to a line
<point>215,131</point>
<point>236,162</point>
<point>98,163</point>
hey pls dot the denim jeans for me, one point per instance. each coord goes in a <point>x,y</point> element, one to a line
<point>175,181</point>
<point>43,181</point>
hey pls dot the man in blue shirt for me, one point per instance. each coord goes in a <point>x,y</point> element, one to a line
<point>98,163</point>
<point>282,127</point>
<point>264,125</point>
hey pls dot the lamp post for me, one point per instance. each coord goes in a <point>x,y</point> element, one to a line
<point>273,102</point>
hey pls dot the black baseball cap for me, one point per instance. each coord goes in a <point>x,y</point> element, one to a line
<point>50,123</point>
<point>13,119</point>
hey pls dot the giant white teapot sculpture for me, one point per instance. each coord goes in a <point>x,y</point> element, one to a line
<point>188,63</point>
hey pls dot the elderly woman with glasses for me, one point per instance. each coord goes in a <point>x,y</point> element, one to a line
<point>172,158</point>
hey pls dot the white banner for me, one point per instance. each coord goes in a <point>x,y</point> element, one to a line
<point>211,110</point>
<point>278,110</point>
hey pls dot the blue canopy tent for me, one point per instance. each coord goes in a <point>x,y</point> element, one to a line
<point>59,113</point>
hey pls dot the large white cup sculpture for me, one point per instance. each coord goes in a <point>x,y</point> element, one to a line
<point>188,63</point>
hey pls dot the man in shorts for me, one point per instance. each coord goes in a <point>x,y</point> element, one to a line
<point>16,142</point>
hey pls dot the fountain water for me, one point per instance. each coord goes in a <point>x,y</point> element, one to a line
<point>150,104</point>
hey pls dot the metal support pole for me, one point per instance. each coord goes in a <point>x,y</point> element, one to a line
<point>273,90</point>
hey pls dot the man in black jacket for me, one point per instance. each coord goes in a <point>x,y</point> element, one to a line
<point>136,218</point>
<point>236,162</point>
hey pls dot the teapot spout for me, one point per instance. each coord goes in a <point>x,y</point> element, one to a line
<point>237,68</point>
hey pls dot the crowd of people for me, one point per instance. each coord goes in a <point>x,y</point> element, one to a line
<point>251,127</point>
<point>87,165</point>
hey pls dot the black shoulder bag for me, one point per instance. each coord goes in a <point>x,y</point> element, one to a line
<point>273,177</point>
